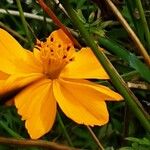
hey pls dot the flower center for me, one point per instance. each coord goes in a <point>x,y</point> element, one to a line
<point>56,53</point>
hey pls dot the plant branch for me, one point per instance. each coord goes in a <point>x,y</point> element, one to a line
<point>34,143</point>
<point>27,15</point>
<point>24,22</point>
<point>95,138</point>
<point>58,22</point>
<point>13,32</point>
<point>64,130</point>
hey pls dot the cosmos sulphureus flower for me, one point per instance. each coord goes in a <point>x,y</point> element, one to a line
<point>54,74</point>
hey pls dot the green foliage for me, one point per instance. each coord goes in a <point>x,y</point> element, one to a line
<point>122,53</point>
<point>137,144</point>
<point>130,58</point>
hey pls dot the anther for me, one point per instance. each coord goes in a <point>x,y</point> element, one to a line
<point>68,48</point>
<point>71,59</point>
<point>64,56</point>
<point>52,39</point>
<point>59,45</point>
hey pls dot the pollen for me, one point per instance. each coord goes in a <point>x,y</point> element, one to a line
<point>55,53</point>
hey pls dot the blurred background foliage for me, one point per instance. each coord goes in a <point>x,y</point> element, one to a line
<point>123,132</point>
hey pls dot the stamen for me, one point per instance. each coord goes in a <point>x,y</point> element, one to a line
<point>64,56</point>
<point>68,48</point>
<point>55,55</point>
<point>52,39</point>
<point>59,45</point>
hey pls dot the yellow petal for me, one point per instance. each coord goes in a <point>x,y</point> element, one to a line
<point>3,75</point>
<point>18,81</point>
<point>105,92</point>
<point>29,64</point>
<point>14,58</point>
<point>1,84</point>
<point>37,107</point>
<point>37,54</point>
<point>84,66</point>
<point>82,104</point>
<point>60,36</point>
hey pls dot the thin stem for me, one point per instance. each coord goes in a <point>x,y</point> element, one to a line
<point>24,21</point>
<point>34,143</point>
<point>13,32</point>
<point>136,20</point>
<point>131,75</point>
<point>144,22</point>
<point>14,20</point>
<point>117,81</point>
<point>95,138</point>
<point>127,119</point>
<point>27,15</point>
<point>64,130</point>
<point>57,21</point>
<point>133,36</point>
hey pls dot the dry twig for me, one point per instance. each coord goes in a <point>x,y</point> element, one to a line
<point>34,143</point>
<point>58,22</point>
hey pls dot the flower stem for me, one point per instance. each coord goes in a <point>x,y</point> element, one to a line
<point>42,144</point>
<point>24,22</point>
<point>117,81</point>
<point>26,14</point>
<point>64,130</point>
<point>144,22</point>
<point>95,138</point>
<point>13,32</point>
<point>57,21</point>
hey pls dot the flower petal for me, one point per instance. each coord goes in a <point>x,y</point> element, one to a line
<point>3,75</point>
<point>105,92</point>
<point>37,107</point>
<point>14,56</point>
<point>80,103</point>
<point>60,36</point>
<point>18,81</point>
<point>84,66</point>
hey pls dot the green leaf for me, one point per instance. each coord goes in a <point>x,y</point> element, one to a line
<point>130,58</point>
<point>143,141</point>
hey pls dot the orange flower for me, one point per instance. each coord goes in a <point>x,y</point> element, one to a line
<point>54,72</point>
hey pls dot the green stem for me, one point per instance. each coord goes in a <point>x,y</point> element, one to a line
<point>13,32</point>
<point>117,81</point>
<point>13,19</point>
<point>135,20</point>
<point>127,77</point>
<point>24,22</point>
<point>144,22</point>
<point>131,75</point>
<point>64,130</point>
